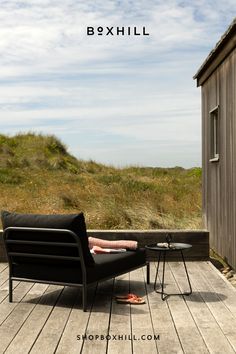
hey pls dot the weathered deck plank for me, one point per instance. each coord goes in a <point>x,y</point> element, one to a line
<point>50,335</point>
<point>222,315</point>
<point>16,319</point>
<point>142,327</point>
<point>3,266</point>
<point>72,340</point>
<point>162,320</point>
<point>35,322</point>
<point>209,328</point>
<point>4,275</point>
<point>120,323</point>
<point>220,285</point>
<point>99,319</point>
<point>7,308</point>
<point>188,331</point>
<point>48,319</point>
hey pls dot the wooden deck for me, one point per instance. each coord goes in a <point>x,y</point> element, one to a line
<point>49,319</point>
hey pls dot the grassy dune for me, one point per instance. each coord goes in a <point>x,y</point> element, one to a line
<point>38,175</point>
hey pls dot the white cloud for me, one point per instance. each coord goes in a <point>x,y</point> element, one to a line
<point>136,92</point>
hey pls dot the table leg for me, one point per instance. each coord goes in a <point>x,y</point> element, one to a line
<point>163,277</point>
<point>186,271</point>
<point>163,294</point>
<point>155,282</point>
<point>148,273</point>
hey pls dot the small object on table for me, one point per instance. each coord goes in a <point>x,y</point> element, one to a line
<point>165,245</point>
<point>163,249</point>
<point>168,238</point>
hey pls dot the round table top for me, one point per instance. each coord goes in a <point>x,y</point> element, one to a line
<point>175,247</point>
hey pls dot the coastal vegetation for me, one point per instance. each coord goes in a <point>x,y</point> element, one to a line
<point>39,175</point>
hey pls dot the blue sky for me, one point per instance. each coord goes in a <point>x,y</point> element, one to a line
<point>116,100</point>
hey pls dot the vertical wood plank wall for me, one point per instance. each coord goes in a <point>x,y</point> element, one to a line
<point>219,178</point>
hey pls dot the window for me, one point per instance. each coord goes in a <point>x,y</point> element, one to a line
<point>214,134</point>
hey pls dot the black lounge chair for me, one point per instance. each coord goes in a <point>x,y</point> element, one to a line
<point>54,249</point>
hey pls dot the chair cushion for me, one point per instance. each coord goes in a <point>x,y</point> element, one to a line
<point>109,264</point>
<point>72,222</point>
<point>106,266</point>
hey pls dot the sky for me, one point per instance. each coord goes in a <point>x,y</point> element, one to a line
<point>118,100</point>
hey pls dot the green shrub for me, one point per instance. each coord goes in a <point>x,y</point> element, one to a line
<point>55,146</point>
<point>109,179</point>
<point>8,176</point>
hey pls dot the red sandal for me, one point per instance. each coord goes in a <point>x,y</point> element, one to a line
<point>131,300</point>
<point>128,296</point>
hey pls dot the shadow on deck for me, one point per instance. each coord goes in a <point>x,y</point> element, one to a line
<point>49,318</point>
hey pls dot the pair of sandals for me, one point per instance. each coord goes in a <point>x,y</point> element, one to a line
<point>132,299</point>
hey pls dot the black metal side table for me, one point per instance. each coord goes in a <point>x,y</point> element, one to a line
<point>173,247</point>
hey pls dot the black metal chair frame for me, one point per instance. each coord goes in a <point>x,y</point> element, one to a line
<point>80,258</point>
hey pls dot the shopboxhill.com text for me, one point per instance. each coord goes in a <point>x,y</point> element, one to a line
<point>117,31</point>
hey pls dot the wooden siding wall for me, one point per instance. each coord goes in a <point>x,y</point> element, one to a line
<point>219,178</point>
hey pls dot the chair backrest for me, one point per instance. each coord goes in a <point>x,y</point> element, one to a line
<point>58,247</point>
<point>41,222</point>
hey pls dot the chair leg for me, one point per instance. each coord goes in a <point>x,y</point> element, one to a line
<point>10,290</point>
<point>84,296</point>
<point>148,273</point>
